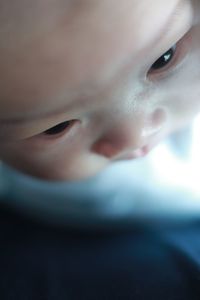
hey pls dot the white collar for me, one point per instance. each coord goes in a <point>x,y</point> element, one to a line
<point>166,183</point>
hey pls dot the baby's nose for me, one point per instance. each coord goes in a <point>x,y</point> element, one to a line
<point>129,134</point>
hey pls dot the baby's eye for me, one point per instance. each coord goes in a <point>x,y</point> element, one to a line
<point>57,131</point>
<point>164,60</point>
<point>172,58</point>
<point>61,127</point>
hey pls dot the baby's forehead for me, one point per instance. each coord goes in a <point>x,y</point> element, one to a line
<point>89,42</point>
<point>19,12</point>
<point>26,18</point>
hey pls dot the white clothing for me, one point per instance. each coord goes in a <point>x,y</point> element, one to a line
<point>165,184</point>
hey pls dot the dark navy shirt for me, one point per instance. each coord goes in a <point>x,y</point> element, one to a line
<point>144,262</point>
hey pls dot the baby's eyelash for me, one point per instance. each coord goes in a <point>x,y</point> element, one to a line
<point>169,60</point>
<point>59,128</point>
<point>178,52</point>
<point>164,60</point>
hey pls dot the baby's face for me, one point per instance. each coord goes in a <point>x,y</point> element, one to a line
<point>86,83</point>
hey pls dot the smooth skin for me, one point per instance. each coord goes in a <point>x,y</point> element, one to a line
<point>90,64</point>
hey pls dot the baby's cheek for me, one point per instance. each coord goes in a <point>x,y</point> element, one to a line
<point>64,164</point>
<point>30,161</point>
<point>180,91</point>
<point>42,149</point>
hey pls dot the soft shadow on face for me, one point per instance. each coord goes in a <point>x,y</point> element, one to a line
<point>91,64</point>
